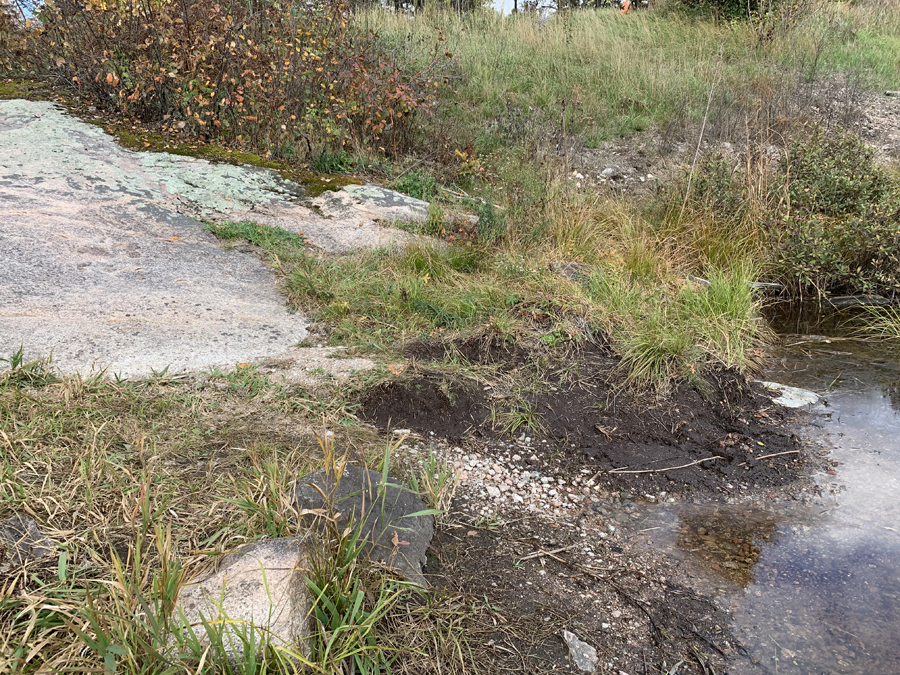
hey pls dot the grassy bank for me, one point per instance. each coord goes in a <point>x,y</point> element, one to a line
<point>588,282</point>
<point>146,483</point>
<point>600,74</point>
<point>770,109</point>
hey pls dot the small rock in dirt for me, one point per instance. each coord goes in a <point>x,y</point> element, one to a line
<point>583,655</point>
<point>393,534</point>
<point>21,542</point>
<point>611,173</point>
<point>259,588</point>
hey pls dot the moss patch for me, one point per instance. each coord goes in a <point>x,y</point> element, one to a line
<point>30,90</point>
<point>147,141</point>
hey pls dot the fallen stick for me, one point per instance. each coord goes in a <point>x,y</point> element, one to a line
<point>777,454</point>
<point>538,554</point>
<point>669,468</point>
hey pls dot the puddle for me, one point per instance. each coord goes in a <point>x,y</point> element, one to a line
<point>825,597</point>
<point>814,589</point>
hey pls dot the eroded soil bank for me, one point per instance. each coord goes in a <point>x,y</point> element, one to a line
<point>550,522</point>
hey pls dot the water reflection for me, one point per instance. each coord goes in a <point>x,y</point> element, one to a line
<point>814,589</point>
<point>727,542</point>
<point>826,597</point>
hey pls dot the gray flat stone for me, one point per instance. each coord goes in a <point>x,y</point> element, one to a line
<point>583,655</point>
<point>21,541</point>
<point>260,587</point>
<point>393,536</point>
<point>371,202</point>
<point>859,301</point>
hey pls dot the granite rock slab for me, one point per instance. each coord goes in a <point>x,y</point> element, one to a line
<point>258,590</point>
<point>394,536</point>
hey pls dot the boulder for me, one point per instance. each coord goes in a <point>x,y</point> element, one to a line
<point>391,533</point>
<point>21,542</point>
<point>260,589</point>
<point>369,202</point>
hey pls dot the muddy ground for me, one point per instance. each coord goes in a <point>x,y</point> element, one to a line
<point>723,432</point>
<point>543,564</point>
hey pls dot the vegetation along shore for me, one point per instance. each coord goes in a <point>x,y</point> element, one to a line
<point>613,208</point>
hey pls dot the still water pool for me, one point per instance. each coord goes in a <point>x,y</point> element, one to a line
<point>825,593</point>
<point>813,588</point>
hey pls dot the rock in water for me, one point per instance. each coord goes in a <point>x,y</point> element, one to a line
<point>21,542</point>
<point>859,301</point>
<point>583,655</point>
<point>260,591</point>
<point>392,534</point>
<point>791,397</point>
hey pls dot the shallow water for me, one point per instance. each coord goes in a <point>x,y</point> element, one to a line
<point>825,596</point>
<point>814,588</point>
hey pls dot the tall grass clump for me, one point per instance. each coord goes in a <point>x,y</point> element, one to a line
<point>669,334</point>
<point>881,322</point>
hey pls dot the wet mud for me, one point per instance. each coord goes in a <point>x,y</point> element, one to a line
<point>726,435</point>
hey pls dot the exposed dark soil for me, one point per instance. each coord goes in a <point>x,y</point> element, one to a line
<point>475,349</point>
<point>636,442</point>
<point>427,403</point>
<point>625,604</point>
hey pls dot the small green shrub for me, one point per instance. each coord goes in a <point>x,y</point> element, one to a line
<point>333,162</point>
<point>826,215</point>
<point>491,222</point>
<point>417,184</point>
<point>436,222</point>
<point>840,231</point>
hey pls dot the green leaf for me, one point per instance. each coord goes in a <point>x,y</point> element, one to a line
<point>63,565</point>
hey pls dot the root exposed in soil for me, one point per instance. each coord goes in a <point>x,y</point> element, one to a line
<point>627,606</point>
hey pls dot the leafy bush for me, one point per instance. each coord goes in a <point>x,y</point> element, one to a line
<point>826,214</point>
<point>841,229</point>
<point>271,73</point>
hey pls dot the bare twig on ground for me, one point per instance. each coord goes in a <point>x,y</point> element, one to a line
<point>668,468</point>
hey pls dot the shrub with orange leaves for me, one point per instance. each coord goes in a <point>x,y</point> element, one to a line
<point>280,76</point>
